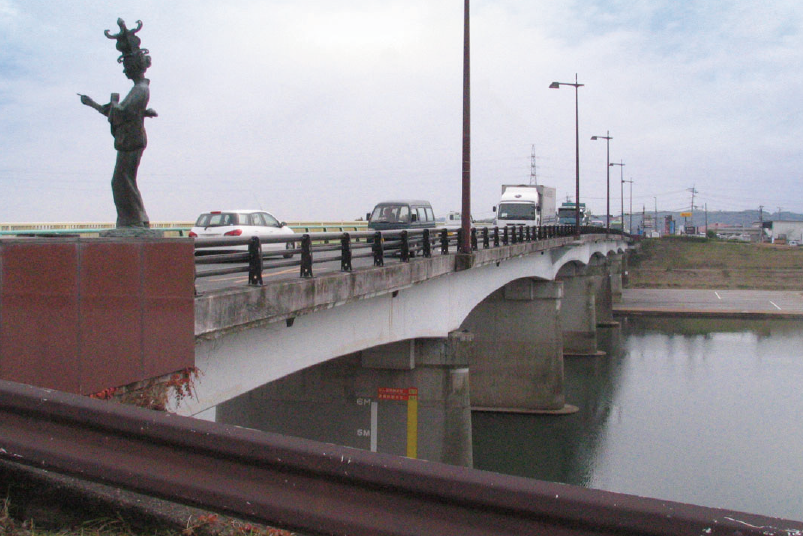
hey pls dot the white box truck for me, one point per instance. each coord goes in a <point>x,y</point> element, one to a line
<point>526,204</point>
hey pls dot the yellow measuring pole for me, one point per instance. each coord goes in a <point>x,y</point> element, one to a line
<point>412,423</point>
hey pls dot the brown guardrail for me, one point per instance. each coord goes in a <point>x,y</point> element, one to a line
<point>321,488</point>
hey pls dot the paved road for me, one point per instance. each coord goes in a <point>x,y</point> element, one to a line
<point>734,302</point>
<point>320,267</point>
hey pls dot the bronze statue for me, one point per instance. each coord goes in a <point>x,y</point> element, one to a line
<point>127,119</point>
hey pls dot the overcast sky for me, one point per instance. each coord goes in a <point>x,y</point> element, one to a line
<point>317,109</point>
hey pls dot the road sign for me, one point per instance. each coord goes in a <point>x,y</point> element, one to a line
<point>411,397</point>
<point>685,214</point>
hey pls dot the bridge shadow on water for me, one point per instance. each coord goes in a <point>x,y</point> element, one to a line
<point>555,448</point>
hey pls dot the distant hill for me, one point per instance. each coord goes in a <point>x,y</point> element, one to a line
<point>744,218</point>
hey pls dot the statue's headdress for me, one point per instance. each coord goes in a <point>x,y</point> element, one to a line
<point>127,41</point>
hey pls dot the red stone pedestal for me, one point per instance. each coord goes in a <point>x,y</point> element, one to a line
<point>84,314</point>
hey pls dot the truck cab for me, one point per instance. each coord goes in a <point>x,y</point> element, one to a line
<point>519,205</point>
<point>567,214</point>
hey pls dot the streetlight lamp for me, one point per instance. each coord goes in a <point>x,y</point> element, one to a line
<point>629,225</point>
<point>556,85</point>
<point>621,189</point>
<point>607,139</point>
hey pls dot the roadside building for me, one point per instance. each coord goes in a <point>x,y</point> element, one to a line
<point>786,231</point>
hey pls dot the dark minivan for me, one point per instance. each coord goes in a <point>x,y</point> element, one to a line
<point>405,214</point>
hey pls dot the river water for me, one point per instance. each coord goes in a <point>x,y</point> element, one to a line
<point>701,411</point>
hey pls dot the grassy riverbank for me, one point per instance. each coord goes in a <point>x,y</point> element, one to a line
<point>715,264</point>
<point>38,503</point>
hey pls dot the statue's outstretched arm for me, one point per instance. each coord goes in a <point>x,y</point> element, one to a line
<point>104,108</point>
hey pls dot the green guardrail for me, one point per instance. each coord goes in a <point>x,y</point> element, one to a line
<point>87,230</point>
<point>44,233</point>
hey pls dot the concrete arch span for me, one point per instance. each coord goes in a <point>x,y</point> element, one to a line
<point>321,374</point>
<point>244,359</point>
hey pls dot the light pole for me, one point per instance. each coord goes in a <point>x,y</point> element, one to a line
<point>621,189</point>
<point>607,139</point>
<point>556,85</point>
<point>465,221</point>
<point>629,225</point>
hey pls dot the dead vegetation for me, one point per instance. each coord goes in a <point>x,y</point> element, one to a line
<point>715,264</point>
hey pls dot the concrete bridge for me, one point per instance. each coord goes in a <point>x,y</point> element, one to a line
<point>382,358</point>
<point>378,358</point>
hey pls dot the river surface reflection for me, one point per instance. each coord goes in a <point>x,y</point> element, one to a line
<point>702,411</point>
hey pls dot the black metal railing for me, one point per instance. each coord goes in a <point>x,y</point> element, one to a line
<point>253,255</point>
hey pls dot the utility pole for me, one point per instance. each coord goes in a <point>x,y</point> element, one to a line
<point>533,178</point>
<point>693,191</point>
<point>761,223</point>
<point>706,219</point>
<point>779,214</point>
<point>655,225</point>
<point>643,213</point>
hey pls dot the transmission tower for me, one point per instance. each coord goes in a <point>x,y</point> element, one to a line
<point>533,178</point>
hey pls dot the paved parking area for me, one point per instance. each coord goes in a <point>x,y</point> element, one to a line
<point>780,303</point>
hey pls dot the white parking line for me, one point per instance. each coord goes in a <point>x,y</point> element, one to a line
<point>717,295</point>
<point>776,306</point>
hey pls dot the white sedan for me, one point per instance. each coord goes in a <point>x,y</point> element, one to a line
<point>244,223</point>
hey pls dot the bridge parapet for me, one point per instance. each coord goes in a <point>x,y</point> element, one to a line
<point>221,311</point>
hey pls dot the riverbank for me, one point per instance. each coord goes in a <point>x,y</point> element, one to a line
<point>696,263</point>
<point>719,303</point>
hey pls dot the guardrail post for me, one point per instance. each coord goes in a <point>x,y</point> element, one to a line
<point>254,261</point>
<point>485,241</point>
<point>521,233</point>
<point>378,249</point>
<point>306,256</point>
<point>473,239</point>
<point>514,235</point>
<point>505,237</point>
<point>405,247</point>
<point>496,237</point>
<point>427,244</point>
<point>527,233</point>
<point>345,253</point>
<point>444,241</point>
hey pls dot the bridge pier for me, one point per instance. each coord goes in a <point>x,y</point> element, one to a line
<point>409,398</point>
<point>578,313</point>
<point>516,362</point>
<point>617,269</point>
<point>602,280</point>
